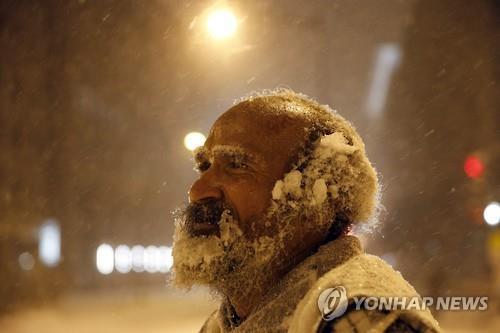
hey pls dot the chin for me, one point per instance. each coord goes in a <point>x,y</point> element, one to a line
<point>195,259</point>
<point>185,277</point>
<point>221,262</point>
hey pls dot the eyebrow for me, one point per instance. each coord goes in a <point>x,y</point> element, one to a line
<point>200,155</point>
<point>203,154</point>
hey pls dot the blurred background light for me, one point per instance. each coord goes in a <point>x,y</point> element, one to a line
<point>105,259</point>
<point>165,259</point>
<point>473,167</point>
<point>151,259</point>
<point>123,259</point>
<point>49,243</point>
<point>194,140</point>
<point>138,258</point>
<point>221,23</point>
<point>387,59</point>
<point>491,213</point>
<point>26,261</point>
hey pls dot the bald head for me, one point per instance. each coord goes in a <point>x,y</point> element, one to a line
<point>297,125</point>
<point>263,129</point>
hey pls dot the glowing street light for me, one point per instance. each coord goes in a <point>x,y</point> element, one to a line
<point>123,259</point>
<point>221,23</point>
<point>194,140</point>
<point>105,259</point>
<point>491,213</point>
<point>49,243</point>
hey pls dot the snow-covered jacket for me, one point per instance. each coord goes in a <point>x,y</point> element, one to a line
<point>291,306</point>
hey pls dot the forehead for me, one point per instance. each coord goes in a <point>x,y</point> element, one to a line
<point>260,135</point>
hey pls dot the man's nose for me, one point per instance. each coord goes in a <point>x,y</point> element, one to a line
<point>205,187</point>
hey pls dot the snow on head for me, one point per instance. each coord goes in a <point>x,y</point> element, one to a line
<point>332,173</point>
<point>334,144</point>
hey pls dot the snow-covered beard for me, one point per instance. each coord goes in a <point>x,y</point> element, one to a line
<point>218,261</point>
<point>200,259</point>
<point>229,261</point>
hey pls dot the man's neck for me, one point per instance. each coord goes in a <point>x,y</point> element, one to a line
<point>245,296</point>
<point>252,292</point>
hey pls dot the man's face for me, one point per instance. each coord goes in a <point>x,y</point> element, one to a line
<point>242,159</point>
<point>226,223</point>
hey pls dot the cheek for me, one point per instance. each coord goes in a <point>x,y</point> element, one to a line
<point>250,198</point>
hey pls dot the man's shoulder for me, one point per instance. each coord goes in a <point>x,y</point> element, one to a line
<point>360,275</point>
<point>355,320</point>
<point>363,275</point>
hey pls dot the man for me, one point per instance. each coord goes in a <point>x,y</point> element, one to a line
<point>282,181</point>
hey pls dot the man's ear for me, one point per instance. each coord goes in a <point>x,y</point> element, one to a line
<point>341,225</point>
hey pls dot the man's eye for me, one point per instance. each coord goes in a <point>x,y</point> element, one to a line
<point>237,165</point>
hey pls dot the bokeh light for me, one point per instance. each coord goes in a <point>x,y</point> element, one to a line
<point>165,259</point>
<point>105,259</point>
<point>123,259</point>
<point>138,258</point>
<point>491,213</point>
<point>221,23</point>
<point>49,246</point>
<point>26,261</point>
<point>473,167</point>
<point>194,140</point>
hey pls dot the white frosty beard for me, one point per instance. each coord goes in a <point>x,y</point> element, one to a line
<point>196,259</point>
<point>211,260</point>
<point>225,262</point>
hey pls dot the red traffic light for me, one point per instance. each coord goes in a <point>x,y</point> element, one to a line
<point>473,167</point>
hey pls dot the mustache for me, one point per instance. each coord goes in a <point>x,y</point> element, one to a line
<point>205,211</point>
